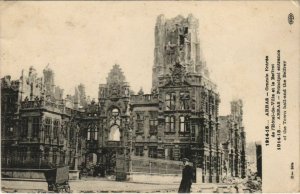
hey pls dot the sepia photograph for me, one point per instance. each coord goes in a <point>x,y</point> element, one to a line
<point>150,97</point>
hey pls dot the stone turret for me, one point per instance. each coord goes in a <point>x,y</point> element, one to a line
<point>31,86</point>
<point>49,81</point>
<point>80,97</point>
<point>237,111</point>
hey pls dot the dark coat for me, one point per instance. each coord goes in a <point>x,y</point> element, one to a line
<point>187,180</point>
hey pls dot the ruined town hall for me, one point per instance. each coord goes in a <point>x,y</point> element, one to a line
<point>42,128</point>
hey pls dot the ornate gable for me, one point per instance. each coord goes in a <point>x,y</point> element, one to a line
<point>115,82</point>
<point>116,75</point>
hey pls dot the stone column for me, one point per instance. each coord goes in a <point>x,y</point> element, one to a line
<point>211,166</point>
<point>204,168</point>
<point>146,151</point>
<point>41,156</point>
<point>220,166</point>
<point>176,152</point>
<point>146,126</point>
<point>99,133</point>
<point>217,166</point>
<point>176,127</point>
<point>50,155</point>
<point>28,157</point>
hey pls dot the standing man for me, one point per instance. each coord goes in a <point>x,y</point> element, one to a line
<point>187,177</point>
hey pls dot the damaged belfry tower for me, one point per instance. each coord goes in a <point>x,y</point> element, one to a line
<point>189,100</point>
<point>177,41</point>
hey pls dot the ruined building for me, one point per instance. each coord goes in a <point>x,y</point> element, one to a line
<point>178,119</point>
<point>35,122</point>
<point>233,138</point>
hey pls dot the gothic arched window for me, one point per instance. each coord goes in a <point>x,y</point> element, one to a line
<point>114,134</point>
<point>89,134</point>
<point>92,133</point>
<point>96,132</point>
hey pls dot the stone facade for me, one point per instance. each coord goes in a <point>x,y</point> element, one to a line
<point>178,119</point>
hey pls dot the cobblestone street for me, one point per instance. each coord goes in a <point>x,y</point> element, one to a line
<point>110,186</point>
<point>89,186</point>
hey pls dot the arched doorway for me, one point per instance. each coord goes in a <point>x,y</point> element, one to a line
<point>91,159</point>
<point>91,165</point>
<point>112,155</point>
<point>110,163</point>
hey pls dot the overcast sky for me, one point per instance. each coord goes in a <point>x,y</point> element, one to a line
<point>81,41</point>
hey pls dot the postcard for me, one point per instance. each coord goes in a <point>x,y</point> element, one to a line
<point>150,96</point>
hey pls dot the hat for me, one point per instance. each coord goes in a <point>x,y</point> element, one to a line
<point>185,159</point>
